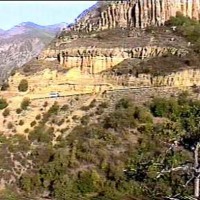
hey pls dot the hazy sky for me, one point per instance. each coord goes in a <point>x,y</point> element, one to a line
<point>40,12</point>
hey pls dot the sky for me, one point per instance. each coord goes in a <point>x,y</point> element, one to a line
<point>40,12</point>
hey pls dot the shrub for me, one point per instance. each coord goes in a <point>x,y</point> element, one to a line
<point>179,20</point>
<point>120,119</point>
<point>189,28</point>
<point>3,104</point>
<point>142,115</point>
<point>54,109</point>
<point>124,103</point>
<point>45,104</point>
<point>85,108</point>
<point>6,112</point>
<point>159,107</point>
<point>86,183</point>
<point>21,122</point>
<point>45,117</point>
<point>196,89</point>
<point>18,110</point>
<point>4,87</point>
<point>85,120</point>
<point>23,85</point>
<point>33,123</point>
<point>99,111</point>
<point>93,103</point>
<point>41,134</point>
<point>103,105</point>
<point>60,122</point>
<point>183,98</point>
<point>25,103</point>
<point>65,107</point>
<point>10,125</point>
<point>64,130</point>
<point>75,117</point>
<point>26,130</point>
<point>10,194</point>
<point>38,117</point>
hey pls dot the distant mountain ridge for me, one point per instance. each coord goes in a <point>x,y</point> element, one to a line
<point>1,31</point>
<point>23,42</point>
<point>25,27</point>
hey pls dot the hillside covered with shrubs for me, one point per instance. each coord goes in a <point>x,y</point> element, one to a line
<point>119,156</point>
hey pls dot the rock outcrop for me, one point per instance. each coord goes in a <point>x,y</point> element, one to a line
<point>183,78</point>
<point>94,60</point>
<point>74,82</point>
<point>137,13</point>
<point>84,51</point>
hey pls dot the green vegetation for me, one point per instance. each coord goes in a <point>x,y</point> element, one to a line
<point>53,110</point>
<point>65,107</point>
<point>25,103</point>
<point>3,103</point>
<point>26,130</point>
<point>38,117</point>
<point>9,194</point>
<point>33,123</point>
<point>23,85</point>
<point>189,28</point>
<point>118,157</point>
<point>6,112</point>
<point>85,120</point>
<point>18,110</point>
<point>10,125</point>
<point>21,122</point>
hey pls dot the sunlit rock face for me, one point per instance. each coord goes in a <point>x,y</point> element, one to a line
<point>136,13</point>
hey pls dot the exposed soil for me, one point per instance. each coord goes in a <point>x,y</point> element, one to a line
<point>158,36</point>
<point>157,65</point>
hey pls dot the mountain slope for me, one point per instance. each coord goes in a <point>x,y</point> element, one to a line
<point>1,31</point>
<point>21,43</point>
<point>101,115</point>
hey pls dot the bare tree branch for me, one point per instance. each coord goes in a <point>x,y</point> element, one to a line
<point>184,168</point>
<point>186,184</point>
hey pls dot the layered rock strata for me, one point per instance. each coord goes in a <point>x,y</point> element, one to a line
<point>183,78</point>
<point>94,60</point>
<point>137,13</point>
<point>69,83</point>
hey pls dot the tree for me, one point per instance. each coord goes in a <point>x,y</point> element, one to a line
<point>3,104</point>
<point>54,109</point>
<point>23,85</point>
<point>4,86</point>
<point>167,156</point>
<point>6,112</point>
<point>25,103</point>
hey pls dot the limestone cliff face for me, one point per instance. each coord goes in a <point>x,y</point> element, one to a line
<point>137,13</point>
<point>95,60</point>
<point>184,78</point>
<point>132,13</point>
<point>73,80</point>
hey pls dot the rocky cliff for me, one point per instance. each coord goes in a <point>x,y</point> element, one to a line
<point>94,60</point>
<point>136,13</point>
<point>96,42</point>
